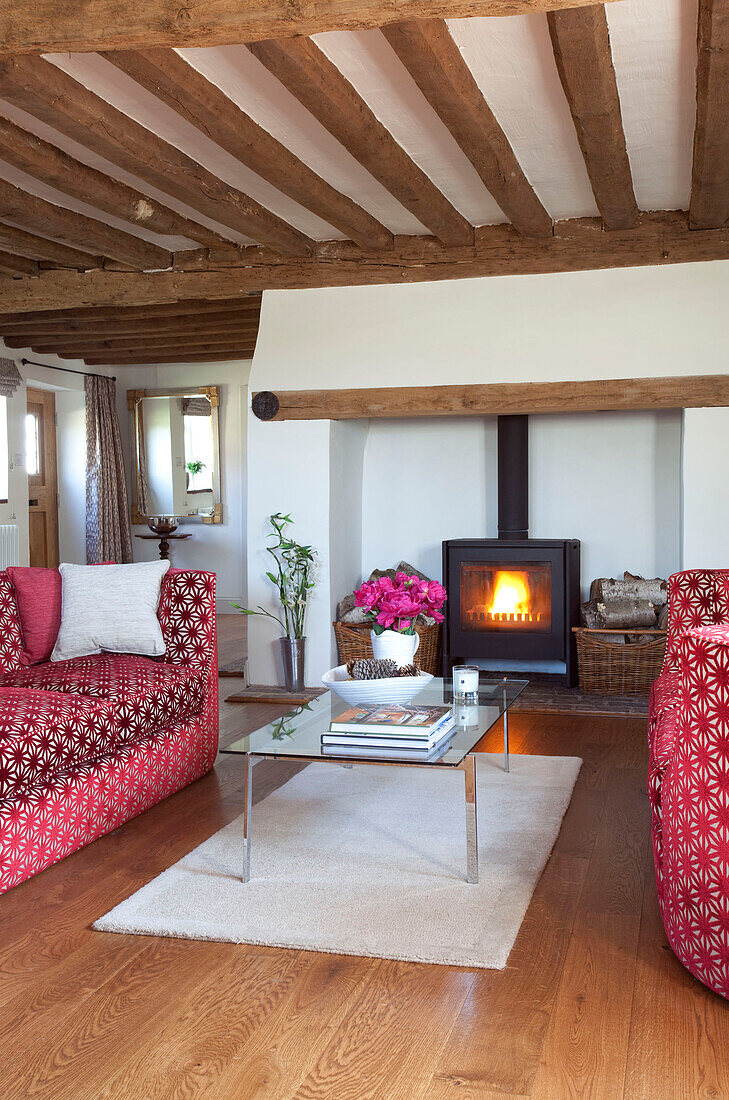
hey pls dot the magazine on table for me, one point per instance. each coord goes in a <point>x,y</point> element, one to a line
<point>391,718</point>
<point>392,741</point>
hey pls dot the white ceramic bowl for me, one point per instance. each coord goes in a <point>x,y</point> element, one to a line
<point>394,689</point>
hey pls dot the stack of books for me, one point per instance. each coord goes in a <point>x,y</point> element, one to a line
<point>408,733</point>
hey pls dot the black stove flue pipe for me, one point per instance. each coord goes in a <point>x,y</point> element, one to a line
<point>513,455</point>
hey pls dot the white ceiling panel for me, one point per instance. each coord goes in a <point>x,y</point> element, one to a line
<point>513,64</point>
<point>654,52</point>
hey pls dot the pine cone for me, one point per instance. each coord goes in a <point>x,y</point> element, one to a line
<point>369,668</point>
<point>408,670</point>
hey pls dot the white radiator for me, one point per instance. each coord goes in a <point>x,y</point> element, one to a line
<point>9,545</point>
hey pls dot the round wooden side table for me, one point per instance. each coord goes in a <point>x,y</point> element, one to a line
<point>164,542</point>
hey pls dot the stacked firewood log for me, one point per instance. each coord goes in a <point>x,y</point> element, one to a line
<point>628,603</point>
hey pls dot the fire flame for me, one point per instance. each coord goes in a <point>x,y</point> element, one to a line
<point>511,595</point>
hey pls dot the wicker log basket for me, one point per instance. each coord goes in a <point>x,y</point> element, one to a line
<point>611,668</point>
<point>353,641</point>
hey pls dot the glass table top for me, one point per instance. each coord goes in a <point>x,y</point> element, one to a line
<point>299,733</point>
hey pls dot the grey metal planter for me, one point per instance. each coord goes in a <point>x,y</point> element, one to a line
<point>293,653</point>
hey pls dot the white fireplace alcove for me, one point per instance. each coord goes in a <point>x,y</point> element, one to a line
<point>642,490</point>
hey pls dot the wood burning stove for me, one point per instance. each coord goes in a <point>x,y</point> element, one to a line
<point>513,598</point>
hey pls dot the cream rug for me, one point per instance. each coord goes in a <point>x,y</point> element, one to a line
<point>370,861</point>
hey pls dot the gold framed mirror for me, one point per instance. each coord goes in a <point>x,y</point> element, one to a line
<point>176,452</point>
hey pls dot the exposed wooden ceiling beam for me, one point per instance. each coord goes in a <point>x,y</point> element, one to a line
<point>166,346</point>
<point>17,265</point>
<point>109,339</point>
<point>38,248</point>
<point>47,163</point>
<point>49,94</point>
<point>710,175</point>
<point>187,308</point>
<point>182,88</point>
<point>429,53</point>
<point>600,395</point>
<point>318,84</point>
<point>78,231</point>
<point>46,27</point>
<point>176,356</point>
<point>581,45</point>
<point>578,245</point>
<point>88,330</point>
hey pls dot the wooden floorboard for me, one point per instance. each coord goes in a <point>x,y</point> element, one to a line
<point>592,1003</point>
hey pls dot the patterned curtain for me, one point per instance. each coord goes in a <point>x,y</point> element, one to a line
<point>108,536</point>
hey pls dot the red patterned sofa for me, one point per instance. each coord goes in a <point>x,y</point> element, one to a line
<point>87,744</point>
<point>688,776</point>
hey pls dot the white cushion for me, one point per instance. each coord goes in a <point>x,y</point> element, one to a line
<point>110,607</point>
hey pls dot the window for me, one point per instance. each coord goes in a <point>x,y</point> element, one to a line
<point>199,458</point>
<point>32,449</point>
<point>4,453</point>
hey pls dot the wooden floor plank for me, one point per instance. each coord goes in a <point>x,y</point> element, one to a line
<point>390,1039</point>
<point>447,1088</point>
<point>91,1043</point>
<point>282,1052</point>
<point>585,1049</point>
<point>204,1031</point>
<point>42,1003</point>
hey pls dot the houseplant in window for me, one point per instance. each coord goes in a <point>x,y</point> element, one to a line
<point>192,469</point>
<point>393,605</point>
<point>293,578</point>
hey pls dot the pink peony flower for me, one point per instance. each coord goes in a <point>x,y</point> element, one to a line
<point>394,604</point>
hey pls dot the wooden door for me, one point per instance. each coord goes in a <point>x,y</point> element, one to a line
<point>42,477</point>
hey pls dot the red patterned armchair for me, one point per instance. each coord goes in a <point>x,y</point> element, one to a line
<point>87,744</point>
<point>688,776</point>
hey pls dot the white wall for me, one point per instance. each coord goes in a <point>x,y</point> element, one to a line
<point>425,481</point>
<point>347,442</point>
<point>635,322</point>
<point>612,480</point>
<point>706,489</point>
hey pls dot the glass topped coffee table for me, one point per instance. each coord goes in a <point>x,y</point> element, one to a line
<point>297,736</point>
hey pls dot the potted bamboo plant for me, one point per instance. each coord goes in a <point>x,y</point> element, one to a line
<point>293,578</point>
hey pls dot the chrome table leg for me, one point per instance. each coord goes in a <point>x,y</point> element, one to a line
<point>469,771</point>
<point>506,734</point>
<point>247,814</point>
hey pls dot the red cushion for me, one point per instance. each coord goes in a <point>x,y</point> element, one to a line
<point>38,595</point>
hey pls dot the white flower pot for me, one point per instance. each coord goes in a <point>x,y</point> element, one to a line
<point>400,648</point>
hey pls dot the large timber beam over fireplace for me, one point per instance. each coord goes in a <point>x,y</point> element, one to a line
<point>497,399</point>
